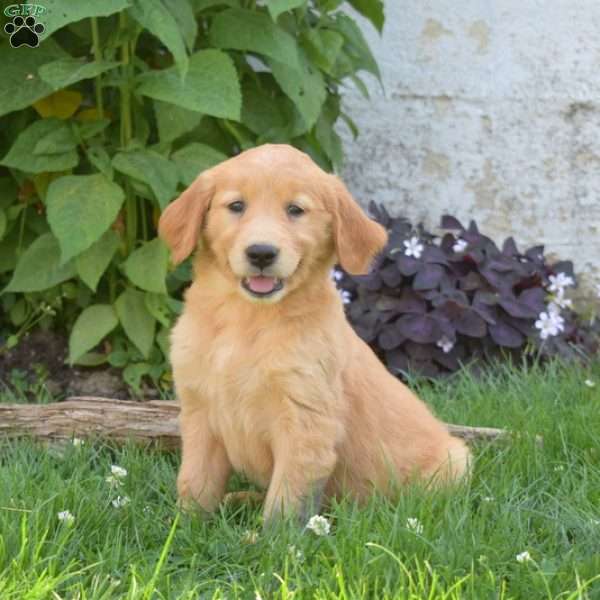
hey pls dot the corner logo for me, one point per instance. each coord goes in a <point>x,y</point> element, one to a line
<point>25,27</point>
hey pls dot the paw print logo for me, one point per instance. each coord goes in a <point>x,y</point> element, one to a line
<point>24,32</point>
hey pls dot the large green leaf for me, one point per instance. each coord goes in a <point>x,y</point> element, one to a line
<point>210,86</point>
<point>237,29</point>
<point>135,319</point>
<point>151,168</point>
<point>261,110</point>
<point>39,267</point>
<point>147,266</point>
<point>21,85</point>
<point>80,209</point>
<point>67,71</point>
<point>92,263</point>
<point>45,134</point>
<point>372,9</point>
<point>184,15</point>
<point>154,16</point>
<point>62,12</point>
<point>305,86</point>
<point>173,121</point>
<point>322,47</point>
<point>91,327</point>
<point>194,158</point>
<point>356,47</point>
<point>276,7</point>
<point>58,140</point>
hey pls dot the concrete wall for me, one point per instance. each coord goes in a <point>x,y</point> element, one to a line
<point>491,110</point>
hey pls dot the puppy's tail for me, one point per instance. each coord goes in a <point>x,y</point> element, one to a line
<point>455,464</point>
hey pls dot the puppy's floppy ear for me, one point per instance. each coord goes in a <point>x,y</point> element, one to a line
<point>180,223</point>
<point>358,239</point>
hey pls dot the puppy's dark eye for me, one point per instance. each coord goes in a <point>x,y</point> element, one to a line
<point>294,210</point>
<point>237,207</point>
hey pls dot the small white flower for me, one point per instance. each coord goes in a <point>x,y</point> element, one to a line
<point>488,498</point>
<point>549,323</point>
<point>118,472</point>
<point>336,275</point>
<point>590,383</point>
<point>77,442</point>
<point>414,525</point>
<point>445,343</point>
<point>460,245</point>
<point>523,557</point>
<point>436,241</point>
<point>559,282</point>
<point>121,501</point>
<point>320,525</point>
<point>346,296</point>
<point>257,596</point>
<point>413,247</point>
<point>595,521</point>
<point>559,301</point>
<point>297,554</point>
<point>113,481</point>
<point>559,468</point>
<point>66,517</point>
<point>147,510</point>
<point>250,536</point>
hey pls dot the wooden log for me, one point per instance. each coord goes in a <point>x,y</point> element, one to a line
<point>153,422</point>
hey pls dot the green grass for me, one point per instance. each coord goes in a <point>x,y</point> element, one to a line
<point>523,497</point>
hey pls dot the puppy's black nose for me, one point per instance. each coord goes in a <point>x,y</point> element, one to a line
<point>261,255</point>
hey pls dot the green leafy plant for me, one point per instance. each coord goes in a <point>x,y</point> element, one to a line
<point>120,107</point>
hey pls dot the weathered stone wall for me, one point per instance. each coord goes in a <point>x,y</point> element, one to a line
<point>491,110</point>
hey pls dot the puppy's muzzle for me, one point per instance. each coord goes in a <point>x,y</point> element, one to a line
<point>261,255</point>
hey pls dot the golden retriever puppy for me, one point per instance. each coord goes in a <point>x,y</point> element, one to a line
<point>272,380</point>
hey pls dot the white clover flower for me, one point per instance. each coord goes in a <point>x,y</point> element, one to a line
<point>296,553</point>
<point>549,323</point>
<point>445,343</point>
<point>319,525</point>
<point>590,383</point>
<point>118,472</point>
<point>66,517</point>
<point>523,557</point>
<point>336,275</point>
<point>113,481</point>
<point>488,498</point>
<point>559,468</point>
<point>559,282</point>
<point>413,247</point>
<point>460,245</point>
<point>250,536</point>
<point>413,524</point>
<point>77,442</point>
<point>346,296</point>
<point>121,501</point>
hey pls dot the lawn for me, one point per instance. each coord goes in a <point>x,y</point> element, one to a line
<point>538,503</point>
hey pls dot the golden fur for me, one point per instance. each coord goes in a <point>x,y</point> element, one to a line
<point>281,388</point>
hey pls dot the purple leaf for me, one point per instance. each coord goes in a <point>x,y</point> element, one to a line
<point>428,277</point>
<point>407,264</point>
<point>515,308</point>
<point>391,276</point>
<point>433,254</point>
<point>505,335</point>
<point>449,222</point>
<point>411,303</point>
<point>471,324</point>
<point>419,328</point>
<point>534,299</point>
<point>509,248</point>
<point>390,338</point>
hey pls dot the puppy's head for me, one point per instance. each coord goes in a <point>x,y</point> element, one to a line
<point>270,220</point>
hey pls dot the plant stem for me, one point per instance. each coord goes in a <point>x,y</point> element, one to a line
<point>97,58</point>
<point>126,135</point>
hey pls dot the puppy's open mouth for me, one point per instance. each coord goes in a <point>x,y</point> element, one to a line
<point>262,286</point>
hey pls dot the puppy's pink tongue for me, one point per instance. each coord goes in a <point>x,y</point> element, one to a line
<point>260,284</point>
